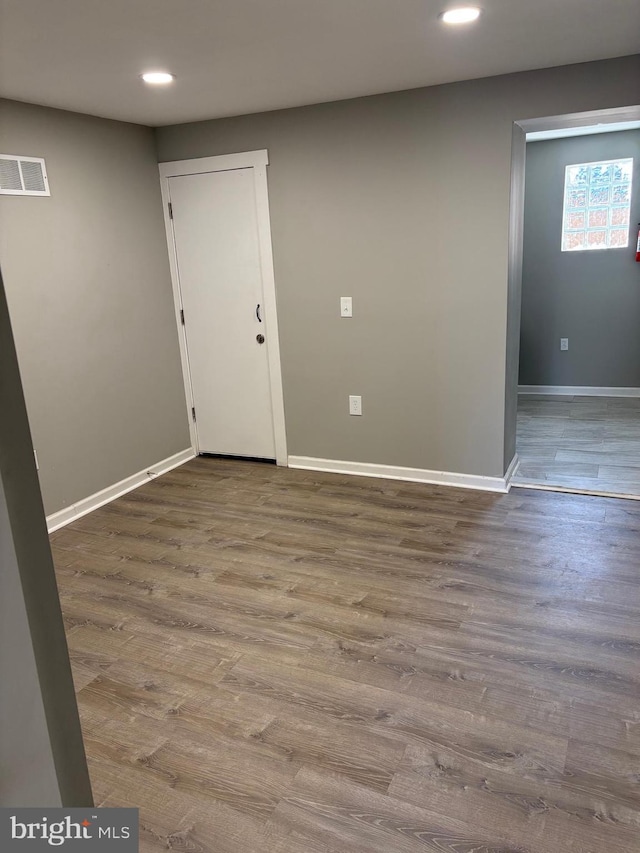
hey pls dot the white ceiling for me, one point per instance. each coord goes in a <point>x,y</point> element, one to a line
<point>241,56</point>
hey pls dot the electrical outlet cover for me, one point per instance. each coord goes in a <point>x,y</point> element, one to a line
<point>355,404</point>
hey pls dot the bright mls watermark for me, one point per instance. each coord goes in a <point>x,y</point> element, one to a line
<point>72,830</point>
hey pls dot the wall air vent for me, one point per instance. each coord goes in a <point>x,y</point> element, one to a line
<point>23,175</point>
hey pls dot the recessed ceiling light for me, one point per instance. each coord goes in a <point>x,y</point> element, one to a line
<point>158,78</point>
<point>462,15</point>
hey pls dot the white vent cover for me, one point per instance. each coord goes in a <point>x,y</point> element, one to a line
<point>23,175</point>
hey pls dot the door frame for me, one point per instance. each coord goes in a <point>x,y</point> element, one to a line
<point>520,129</point>
<point>257,161</point>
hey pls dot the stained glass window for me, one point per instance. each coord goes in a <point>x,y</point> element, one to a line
<point>597,201</point>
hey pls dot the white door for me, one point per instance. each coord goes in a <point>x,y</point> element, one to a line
<point>215,231</point>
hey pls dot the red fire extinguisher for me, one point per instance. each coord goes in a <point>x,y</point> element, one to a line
<point>638,245</point>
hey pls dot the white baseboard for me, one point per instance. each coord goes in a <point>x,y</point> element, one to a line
<point>104,496</point>
<point>579,390</point>
<point>413,475</point>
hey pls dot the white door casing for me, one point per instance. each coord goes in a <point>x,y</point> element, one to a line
<point>220,235</point>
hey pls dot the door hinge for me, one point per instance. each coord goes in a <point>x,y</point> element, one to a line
<point>193,412</point>
<point>182,316</point>
<point>170,211</point>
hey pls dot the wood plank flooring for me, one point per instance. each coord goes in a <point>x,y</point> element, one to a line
<point>584,443</point>
<point>289,662</point>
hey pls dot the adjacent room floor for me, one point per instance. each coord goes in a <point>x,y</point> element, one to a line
<point>591,444</point>
<point>287,662</point>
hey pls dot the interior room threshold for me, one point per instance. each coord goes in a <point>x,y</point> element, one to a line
<point>571,490</point>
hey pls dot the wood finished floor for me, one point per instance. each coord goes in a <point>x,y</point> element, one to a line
<point>290,662</point>
<point>586,443</point>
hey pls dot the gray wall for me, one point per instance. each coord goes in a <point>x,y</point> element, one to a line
<point>87,279</point>
<point>401,201</point>
<point>27,771</point>
<point>591,297</point>
<point>42,760</point>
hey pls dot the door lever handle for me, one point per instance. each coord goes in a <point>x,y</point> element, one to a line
<point>258,313</point>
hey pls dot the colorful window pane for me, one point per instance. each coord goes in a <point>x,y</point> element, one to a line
<point>619,237</point>
<point>598,216</point>
<point>577,198</point>
<point>576,219</point>
<point>597,201</point>
<point>601,173</point>
<point>574,240</point>
<point>619,216</point>
<point>597,238</point>
<point>621,194</point>
<point>622,170</point>
<point>578,176</point>
<point>599,195</point>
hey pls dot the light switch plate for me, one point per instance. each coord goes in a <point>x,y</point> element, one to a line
<point>346,306</point>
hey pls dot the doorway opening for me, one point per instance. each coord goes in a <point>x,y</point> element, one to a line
<point>573,352</point>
